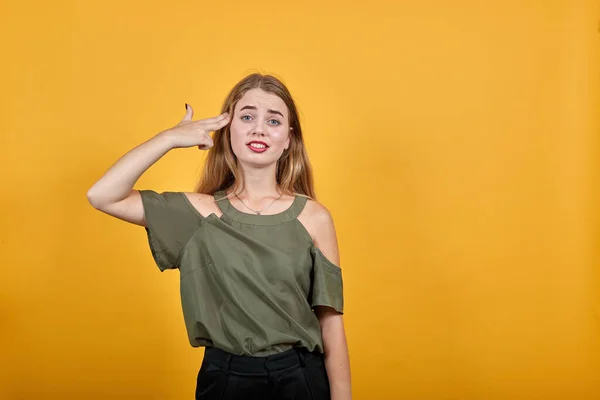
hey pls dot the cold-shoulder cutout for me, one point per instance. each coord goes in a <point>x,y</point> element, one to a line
<point>193,207</point>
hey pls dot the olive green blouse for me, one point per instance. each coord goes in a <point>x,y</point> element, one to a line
<point>248,282</point>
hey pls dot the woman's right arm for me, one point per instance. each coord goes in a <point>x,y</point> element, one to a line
<point>113,193</point>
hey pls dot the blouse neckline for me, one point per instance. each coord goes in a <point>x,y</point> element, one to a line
<point>255,219</point>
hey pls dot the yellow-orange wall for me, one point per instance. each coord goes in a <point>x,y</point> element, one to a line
<point>455,143</point>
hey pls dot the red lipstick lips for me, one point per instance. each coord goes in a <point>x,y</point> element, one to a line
<point>257,149</point>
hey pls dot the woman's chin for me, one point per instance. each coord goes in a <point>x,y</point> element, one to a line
<point>255,162</point>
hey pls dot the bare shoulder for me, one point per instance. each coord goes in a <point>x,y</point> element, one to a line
<point>318,221</point>
<point>203,203</point>
<point>316,213</point>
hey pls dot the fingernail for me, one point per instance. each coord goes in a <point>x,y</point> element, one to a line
<point>186,106</point>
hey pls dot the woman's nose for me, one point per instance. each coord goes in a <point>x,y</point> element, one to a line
<point>259,127</point>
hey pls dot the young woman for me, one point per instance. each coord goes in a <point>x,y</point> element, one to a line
<point>261,288</point>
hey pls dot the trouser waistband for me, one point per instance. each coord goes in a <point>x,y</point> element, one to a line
<point>244,363</point>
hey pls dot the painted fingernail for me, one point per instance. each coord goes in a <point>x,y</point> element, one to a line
<point>186,106</point>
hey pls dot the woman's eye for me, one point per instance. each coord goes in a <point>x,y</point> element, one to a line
<point>275,122</point>
<point>243,117</point>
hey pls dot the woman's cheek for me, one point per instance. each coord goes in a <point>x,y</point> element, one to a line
<point>235,126</point>
<point>237,132</point>
<point>278,135</point>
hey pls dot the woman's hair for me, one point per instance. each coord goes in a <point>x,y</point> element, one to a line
<point>294,173</point>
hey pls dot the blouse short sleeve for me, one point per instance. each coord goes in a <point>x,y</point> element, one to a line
<point>327,283</point>
<point>170,224</point>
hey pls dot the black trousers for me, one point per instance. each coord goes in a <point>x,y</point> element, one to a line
<point>295,374</point>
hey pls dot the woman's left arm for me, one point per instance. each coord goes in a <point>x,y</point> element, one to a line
<point>337,361</point>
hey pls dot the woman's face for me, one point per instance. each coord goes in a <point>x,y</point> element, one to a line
<point>262,118</point>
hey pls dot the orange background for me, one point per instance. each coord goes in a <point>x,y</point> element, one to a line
<point>455,143</point>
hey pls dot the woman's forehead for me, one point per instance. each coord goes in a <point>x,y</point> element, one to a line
<point>262,100</point>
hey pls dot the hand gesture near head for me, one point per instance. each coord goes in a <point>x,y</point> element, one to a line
<point>188,133</point>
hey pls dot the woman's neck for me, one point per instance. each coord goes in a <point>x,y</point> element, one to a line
<point>257,184</point>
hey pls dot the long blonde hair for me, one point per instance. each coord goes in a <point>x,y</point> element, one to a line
<point>294,172</point>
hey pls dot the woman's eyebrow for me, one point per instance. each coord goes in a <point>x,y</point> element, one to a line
<point>254,108</point>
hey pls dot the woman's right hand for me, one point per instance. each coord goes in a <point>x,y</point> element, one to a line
<point>190,133</point>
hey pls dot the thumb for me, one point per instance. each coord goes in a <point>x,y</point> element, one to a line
<point>189,113</point>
